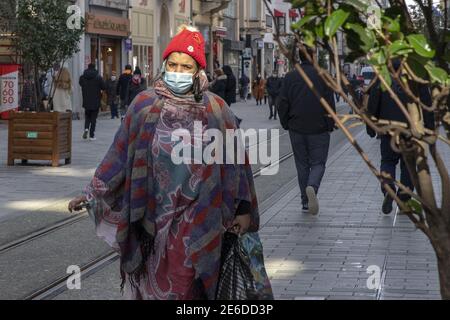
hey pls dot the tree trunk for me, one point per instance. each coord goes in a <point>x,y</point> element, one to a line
<point>444,272</point>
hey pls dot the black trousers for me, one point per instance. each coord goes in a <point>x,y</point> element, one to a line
<point>389,161</point>
<point>310,153</point>
<point>90,121</point>
<point>272,107</point>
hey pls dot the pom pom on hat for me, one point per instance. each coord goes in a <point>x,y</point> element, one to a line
<point>189,41</point>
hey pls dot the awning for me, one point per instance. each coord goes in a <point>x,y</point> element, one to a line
<point>277,13</point>
<point>293,13</point>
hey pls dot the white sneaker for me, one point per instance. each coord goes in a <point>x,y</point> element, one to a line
<point>313,204</point>
<point>92,139</point>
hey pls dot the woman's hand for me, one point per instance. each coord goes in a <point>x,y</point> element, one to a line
<point>75,203</point>
<point>241,223</point>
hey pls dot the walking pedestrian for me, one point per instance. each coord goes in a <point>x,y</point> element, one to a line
<point>122,89</point>
<point>382,106</point>
<point>167,219</point>
<point>136,86</point>
<point>62,101</point>
<point>244,86</point>
<point>273,89</point>
<point>92,85</point>
<point>111,93</point>
<point>258,89</point>
<point>230,90</point>
<point>309,129</point>
<point>219,84</point>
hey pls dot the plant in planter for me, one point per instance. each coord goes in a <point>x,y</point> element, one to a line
<point>44,38</point>
<point>424,62</point>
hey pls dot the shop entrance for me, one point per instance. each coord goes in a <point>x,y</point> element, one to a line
<point>108,59</point>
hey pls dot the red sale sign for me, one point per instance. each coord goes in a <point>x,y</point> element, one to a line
<point>9,86</point>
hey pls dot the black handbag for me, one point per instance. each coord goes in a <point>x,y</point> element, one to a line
<point>236,281</point>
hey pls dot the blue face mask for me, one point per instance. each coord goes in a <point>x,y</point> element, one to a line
<point>178,82</point>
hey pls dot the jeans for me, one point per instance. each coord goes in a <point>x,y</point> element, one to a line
<point>114,111</point>
<point>90,121</point>
<point>310,153</point>
<point>389,161</point>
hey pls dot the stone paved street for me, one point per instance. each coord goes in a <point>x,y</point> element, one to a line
<point>321,257</point>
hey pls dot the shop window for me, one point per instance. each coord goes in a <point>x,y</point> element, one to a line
<point>268,21</point>
<point>254,9</point>
<point>281,21</point>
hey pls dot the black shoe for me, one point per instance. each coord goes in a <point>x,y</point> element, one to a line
<point>85,134</point>
<point>387,204</point>
<point>305,207</point>
<point>270,117</point>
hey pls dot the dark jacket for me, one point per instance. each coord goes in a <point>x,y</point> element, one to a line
<point>244,81</point>
<point>299,109</point>
<point>134,89</point>
<point>123,84</point>
<point>382,106</point>
<point>273,86</point>
<point>230,89</point>
<point>92,85</point>
<point>111,89</point>
<point>219,86</point>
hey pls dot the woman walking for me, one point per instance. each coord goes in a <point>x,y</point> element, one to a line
<point>167,220</point>
<point>258,89</point>
<point>63,91</point>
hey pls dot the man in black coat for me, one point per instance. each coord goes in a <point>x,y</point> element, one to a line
<point>92,85</point>
<point>123,86</point>
<point>382,106</point>
<point>230,89</point>
<point>219,84</point>
<point>309,128</point>
<point>273,86</point>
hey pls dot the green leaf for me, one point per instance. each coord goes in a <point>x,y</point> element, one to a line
<point>417,64</point>
<point>384,73</point>
<point>437,74</point>
<point>360,5</point>
<point>378,58</point>
<point>319,30</point>
<point>335,21</point>
<point>308,38</point>
<point>415,205</point>
<point>420,45</point>
<point>297,25</point>
<point>365,35</point>
<point>391,24</point>
<point>399,48</point>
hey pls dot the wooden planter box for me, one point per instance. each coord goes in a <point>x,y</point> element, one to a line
<point>40,136</point>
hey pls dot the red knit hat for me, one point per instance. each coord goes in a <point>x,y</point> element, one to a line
<point>189,42</point>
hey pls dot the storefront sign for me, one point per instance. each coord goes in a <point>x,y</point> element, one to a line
<point>9,86</point>
<point>116,4</point>
<point>220,32</point>
<point>233,45</point>
<point>107,25</point>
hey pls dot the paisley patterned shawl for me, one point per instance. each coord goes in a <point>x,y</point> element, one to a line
<point>122,200</point>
